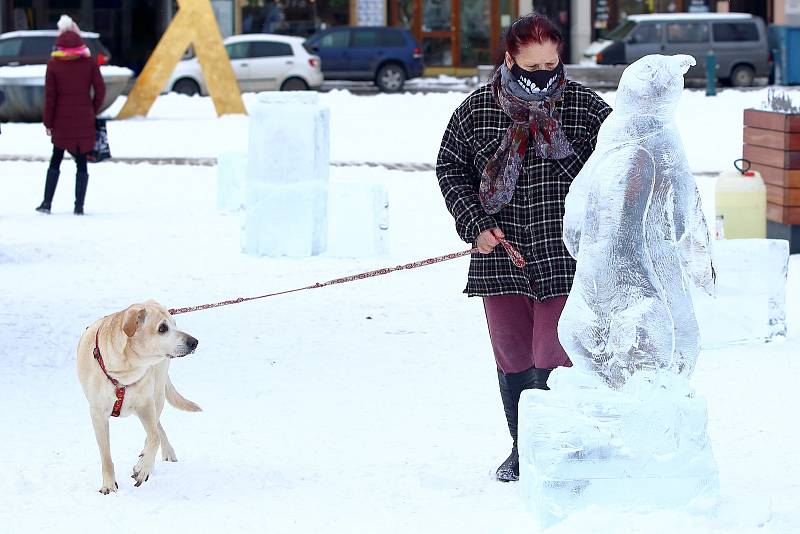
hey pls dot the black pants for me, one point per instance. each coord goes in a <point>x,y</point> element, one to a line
<point>58,156</point>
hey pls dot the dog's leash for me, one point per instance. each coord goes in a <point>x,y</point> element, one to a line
<point>513,254</point>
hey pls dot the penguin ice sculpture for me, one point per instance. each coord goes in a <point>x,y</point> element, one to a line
<point>633,223</point>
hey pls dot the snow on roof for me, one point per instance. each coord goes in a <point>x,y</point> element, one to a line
<point>689,16</point>
<point>43,33</point>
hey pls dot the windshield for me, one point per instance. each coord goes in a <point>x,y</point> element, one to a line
<point>620,32</point>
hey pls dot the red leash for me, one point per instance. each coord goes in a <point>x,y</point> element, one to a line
<point>515,256</point>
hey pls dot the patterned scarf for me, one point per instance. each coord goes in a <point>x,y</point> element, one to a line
<point>71,53</point>
<point>534,118</point>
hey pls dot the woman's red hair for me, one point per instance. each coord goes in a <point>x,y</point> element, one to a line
<point>530,29</point>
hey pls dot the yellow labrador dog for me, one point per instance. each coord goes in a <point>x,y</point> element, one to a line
<point>123,364</point>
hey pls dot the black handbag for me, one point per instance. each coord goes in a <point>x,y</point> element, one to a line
<point>101,150</point>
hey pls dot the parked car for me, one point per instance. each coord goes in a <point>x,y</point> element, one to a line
<point>33,47</point>
<point>387,56</point>
<point>739,41</point>
<point>260,61</point>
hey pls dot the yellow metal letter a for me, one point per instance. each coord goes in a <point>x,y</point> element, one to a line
<point>194,24</point>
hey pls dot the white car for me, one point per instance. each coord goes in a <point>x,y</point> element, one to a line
<point>260,61</point>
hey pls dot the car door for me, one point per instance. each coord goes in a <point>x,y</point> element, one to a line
<point>333,50</point>
<point>689,37</point>
<point>365,52</point>
<point>645,39</point>
<point>270,62</point>
<point>240,63</point>
<point>10,52</point>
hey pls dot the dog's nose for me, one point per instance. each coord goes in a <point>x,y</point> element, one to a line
<point>191,343</point>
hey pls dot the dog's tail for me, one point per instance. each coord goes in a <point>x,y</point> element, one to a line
<point>178,400</point>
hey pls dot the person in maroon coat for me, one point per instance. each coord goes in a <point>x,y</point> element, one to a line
<point>70,109</point>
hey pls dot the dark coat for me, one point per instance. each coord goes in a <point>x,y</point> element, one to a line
<point>533,220</point>
<point>69,109</point>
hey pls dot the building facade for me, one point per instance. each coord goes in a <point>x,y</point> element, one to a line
<point>454,34</point>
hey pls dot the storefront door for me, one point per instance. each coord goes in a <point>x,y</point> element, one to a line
<point>455,33</point>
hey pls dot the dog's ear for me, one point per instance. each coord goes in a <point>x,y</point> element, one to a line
<point>132,320</point>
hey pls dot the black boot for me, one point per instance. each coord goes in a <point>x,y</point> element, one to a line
<point>540,377</point>
<point>81,183</point>
<point>511,386</point>
<point>49,190</point>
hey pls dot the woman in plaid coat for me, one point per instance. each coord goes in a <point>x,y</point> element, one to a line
<point>505,165</point>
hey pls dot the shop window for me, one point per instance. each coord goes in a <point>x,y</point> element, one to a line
<point>687,32</point>
<point>735,31</point>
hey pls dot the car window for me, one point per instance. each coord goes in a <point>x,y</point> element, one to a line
<point>37,46</point>
<point>334,40</point>
<point>621,31</point>
<point>687,32</point>
<point>365,38</point>
<point>10,47</point>
<point>647,33</point>
<point>237,50</point>
<point>270,49</point>
<point>391,39</point>
<point>735,31</point>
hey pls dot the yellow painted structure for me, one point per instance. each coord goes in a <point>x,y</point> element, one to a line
<point>193,24</point>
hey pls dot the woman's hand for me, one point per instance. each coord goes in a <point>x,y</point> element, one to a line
<point>488,239</point>
<point>49,132</point>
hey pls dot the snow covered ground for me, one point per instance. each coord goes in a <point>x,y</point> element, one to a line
<point>369,407</point>
<point>381,128</point>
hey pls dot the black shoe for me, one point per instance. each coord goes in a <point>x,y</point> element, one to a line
<point>78,210</point>
<point>43,208</point>
<point>509,470</point>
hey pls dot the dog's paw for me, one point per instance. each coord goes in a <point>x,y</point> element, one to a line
<point>168,454</point>
<point>108,488</point>
<point>141,473</point>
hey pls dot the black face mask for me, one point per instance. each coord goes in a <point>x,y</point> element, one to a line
<point>537,81</point>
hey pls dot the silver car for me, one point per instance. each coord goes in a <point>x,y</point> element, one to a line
<point>739,41</point>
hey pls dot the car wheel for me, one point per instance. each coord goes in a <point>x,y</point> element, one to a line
<point>294,84</point>
<point>742,76</point>
<point>186,87</point>
<point>391,78</point>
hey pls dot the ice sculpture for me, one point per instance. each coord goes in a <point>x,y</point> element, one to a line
<point>623,428</point>
<point>286,195</point>
<point>633,221</point>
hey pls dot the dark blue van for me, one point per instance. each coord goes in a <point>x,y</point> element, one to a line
<point>387,56</point>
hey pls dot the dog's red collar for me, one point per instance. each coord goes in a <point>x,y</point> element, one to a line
<point>119,389</point>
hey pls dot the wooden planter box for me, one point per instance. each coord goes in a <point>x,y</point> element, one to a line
<point>772,144</point>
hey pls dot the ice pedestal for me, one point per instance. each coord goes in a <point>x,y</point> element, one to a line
<point>231,180</point>
<point>581,446</point>
<point>287,176</point>
<point>358,218</point>
<point>750,304</point>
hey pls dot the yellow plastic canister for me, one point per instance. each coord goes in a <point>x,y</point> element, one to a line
<point>741,205</point>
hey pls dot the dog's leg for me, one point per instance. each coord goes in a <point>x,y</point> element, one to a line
<point>143,468</point>
<point>167,452</point>
<point>101,433</point>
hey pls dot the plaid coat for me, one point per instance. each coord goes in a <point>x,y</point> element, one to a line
<point>532,222</point>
